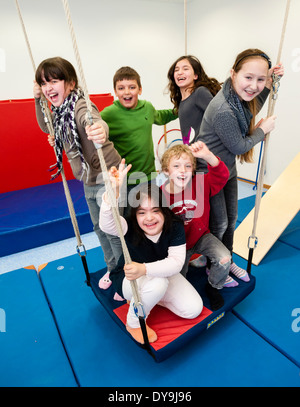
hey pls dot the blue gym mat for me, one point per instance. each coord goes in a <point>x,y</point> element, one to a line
<point>31,352</point>
<point>269,308</point>
<point>227,354</point>
<point>37,216</point>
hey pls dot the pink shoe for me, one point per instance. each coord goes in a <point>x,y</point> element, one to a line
<point>117,297</point>
<point>105,281</point>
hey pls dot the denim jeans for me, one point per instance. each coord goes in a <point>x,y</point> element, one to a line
<point>111,245</point>
<point>219,257</point>
<point>223,211</point>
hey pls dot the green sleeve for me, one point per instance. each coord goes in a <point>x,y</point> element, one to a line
<point>164,116</point>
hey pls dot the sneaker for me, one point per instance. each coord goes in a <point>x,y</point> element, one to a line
<point>105,281</point>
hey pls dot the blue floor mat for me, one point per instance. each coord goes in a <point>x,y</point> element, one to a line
<point>269,308</point>
<point>37,216</point>
<point>31,352</point>
<point>227,354</point>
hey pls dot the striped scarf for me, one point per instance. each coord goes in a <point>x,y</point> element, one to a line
<point>66,132</point>
<point>240,109</point>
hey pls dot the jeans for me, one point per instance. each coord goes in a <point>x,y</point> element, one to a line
<point>111,245</point>
<point>223,211</point>
<point>219,257</point>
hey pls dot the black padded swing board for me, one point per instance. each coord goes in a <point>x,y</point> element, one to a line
<point>174,333</point>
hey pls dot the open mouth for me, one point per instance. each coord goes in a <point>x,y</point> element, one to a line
<point>250,93</point>
<point>53,97</point>
<point>151,225</point>
<point>181,177</point>
<point>181,79</point>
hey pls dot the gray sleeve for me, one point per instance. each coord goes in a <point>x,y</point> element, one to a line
<point>203,97</point>
<point>81,118</point>
<point>228,130</point>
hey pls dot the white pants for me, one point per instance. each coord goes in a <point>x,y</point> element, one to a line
<point>175,293</point>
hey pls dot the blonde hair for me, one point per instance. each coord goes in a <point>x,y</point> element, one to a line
<point>177,151</point>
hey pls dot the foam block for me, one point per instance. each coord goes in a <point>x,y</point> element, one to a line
<point>32,154</point>
<point>290,236</point>
<point>37,216</point>
<point>278,207</point>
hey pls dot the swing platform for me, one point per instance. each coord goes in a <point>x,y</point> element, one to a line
<point>173,332</point>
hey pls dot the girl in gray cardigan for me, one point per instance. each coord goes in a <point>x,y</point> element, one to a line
<point>228,129</point>
<point>191,90</point>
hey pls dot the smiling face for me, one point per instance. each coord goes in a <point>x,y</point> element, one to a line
<point>184,75</point>
<point>149,217</point>
<point>180,172</point>
<point>128,91</point>
<point>56,90</point>
<point>250,80</point>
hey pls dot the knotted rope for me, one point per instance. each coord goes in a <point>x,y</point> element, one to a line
<point>48,121</point>
<point>108,186</point>
<point>252,241</point>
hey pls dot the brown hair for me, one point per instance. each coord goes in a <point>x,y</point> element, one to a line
<point>240,60</point>
<point>56,68</point>
<point>176,151</point>
<point>126,72</point>
<point>203,80</point>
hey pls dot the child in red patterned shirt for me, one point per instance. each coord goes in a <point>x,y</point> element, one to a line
<point>188,196</point>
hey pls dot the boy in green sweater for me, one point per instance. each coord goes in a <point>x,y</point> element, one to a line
<point>130,123</point>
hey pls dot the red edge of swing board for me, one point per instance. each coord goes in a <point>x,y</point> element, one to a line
<point>165,323</point>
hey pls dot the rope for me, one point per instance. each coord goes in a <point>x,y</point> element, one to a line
<point>271,107</point>
<point>185,27</point>
<point>48,120</point>
<point>110,192</point>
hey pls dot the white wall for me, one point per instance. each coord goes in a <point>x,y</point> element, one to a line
<point>218,30</point>
<point>149,35</point>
